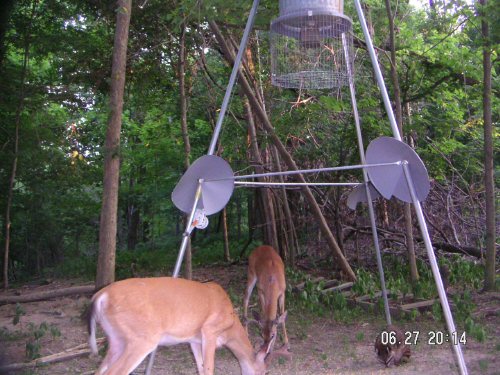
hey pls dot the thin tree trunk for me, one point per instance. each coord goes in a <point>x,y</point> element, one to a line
<point>289,228</point>
<point>489,181</point>
<point>265,194</point>
<point>7,209</point>
<point>270,233</point>
<point>287,158</point>
<point>188,266</point>
<point>6,7</point>
<point>133,218</point>
<point>13,171</point>
<point>108,224</point>
<point>238,216</point>
<point>227,254</point>
<point>251,215</point>
<point>399,118</point>
<point>133,226</point>
<point>410,243</point>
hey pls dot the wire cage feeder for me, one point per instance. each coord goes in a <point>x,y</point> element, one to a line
<point>312,48</point>
<point>310,41</point>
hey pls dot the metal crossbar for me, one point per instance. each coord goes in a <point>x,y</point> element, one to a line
<point>305,171</point>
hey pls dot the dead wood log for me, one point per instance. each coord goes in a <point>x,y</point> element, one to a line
<point>338,288</point>
<point>419,305</point>
<point>486,313</point>
<point>372,307</point>
<point>368,297</point>
<point>330,283</point>
<point>71,353</point>
<point>443,246</point>
<point>299,287</point>
<point>456,249</point>
<point>48,294</point>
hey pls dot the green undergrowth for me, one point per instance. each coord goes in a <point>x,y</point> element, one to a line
<point>145,261</point>
<point>312,300</point>
<point>463,276</point>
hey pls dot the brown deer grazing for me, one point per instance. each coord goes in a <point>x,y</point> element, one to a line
<point>267,271</point>
<point>137,315</point>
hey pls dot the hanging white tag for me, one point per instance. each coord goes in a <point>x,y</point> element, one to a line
<point>200,219</point>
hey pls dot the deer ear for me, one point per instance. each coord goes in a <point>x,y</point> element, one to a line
<point>268,346</point>
<point>282,318</point>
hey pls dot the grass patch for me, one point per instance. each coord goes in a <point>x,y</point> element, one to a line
<point>483,365</point>
<point>360,336</point>
<point>34,344</point>
<point>6,335</point>
<point>311,299</point>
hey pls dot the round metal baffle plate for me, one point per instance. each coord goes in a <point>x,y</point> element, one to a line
<point>358,195</point>
<point>216,188</point>
<point>390,180</point>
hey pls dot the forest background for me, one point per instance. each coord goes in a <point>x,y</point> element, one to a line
<point>55,84</point>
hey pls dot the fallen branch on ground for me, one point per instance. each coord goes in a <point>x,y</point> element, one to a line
<point>75,352</point>
<point>338,288</point>
<point>48,294</point>
<point>392,236</point>
<point>457,249</point>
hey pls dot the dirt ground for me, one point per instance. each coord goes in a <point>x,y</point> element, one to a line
<point>320,346</point>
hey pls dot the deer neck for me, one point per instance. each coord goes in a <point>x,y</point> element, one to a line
<point>271,295</point>
<point>242,349</point>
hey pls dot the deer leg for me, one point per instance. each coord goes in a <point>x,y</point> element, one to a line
<point>252,280</point>
<point>134,353</point>
<point>208,344</point>
<point>281,303</point>
<point>115,350</point>
<point>198,356</point>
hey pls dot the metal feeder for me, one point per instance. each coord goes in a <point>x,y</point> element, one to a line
<point>312,48</point>
<point>307,50</point>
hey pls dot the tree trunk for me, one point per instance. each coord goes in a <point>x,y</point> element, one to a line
<point>133,226</point>
<point>108,224</point>
<point>399,118</point>
<point>6,7</point>
<point>259,159</point>
<point>13,171</point>
<point>238,216</point>
<point>287,158</point>
<point>489,181</point>
<point>8,206</point>
<point>133,218</point>
<point>227,254</point>
<point>264,194</point>
<point>188,267</point>
<point>289,227</point>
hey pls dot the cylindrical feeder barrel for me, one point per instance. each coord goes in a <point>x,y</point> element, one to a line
<point>307,48</point>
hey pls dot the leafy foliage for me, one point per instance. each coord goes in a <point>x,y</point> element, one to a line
<point>61,104</point>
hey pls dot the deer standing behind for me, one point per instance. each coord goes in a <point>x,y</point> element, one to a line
<point>267,271</point>
<point>139,314</point>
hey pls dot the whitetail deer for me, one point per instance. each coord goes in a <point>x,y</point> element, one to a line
<point>137,315</point>
<point>266,269</point>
